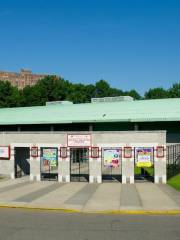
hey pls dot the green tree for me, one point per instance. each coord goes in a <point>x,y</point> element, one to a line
<point>77,93</point>
<point>90,91</point>
<point>57,89</point>
<point>156,93</point>
<point>102,89</point>
<point>9,95</point>
<point>133,93</point>
<point>174,91</point>
<point>47,89</point>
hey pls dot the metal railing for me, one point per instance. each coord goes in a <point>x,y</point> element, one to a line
<point>173,159</point>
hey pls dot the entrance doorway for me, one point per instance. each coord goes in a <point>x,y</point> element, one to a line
<point>111,164</point>
<point>21,161</point>
<point>49,163</point>
<point>144,164</point>
<point>79,164</point>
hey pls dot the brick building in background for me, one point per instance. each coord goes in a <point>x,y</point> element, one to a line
<point>22,79</point>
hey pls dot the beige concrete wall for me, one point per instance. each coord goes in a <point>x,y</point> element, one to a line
<point>100,139</point>
<point>129,137</point>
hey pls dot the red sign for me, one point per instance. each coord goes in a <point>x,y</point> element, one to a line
<point>34,152</point>
<point>160,152</point>
<point>94,152</point>
<point>127,152</point>
<point>63,152</point>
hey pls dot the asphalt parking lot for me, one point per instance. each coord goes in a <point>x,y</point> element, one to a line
<point>41,225</point>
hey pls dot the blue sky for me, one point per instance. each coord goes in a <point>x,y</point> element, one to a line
<point>129,43</point>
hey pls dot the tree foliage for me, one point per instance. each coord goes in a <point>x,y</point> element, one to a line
<point>9,95</point>
<point>57,89</point>
<point>156,93</point>
<point>53,89</point>
<point>174,91</point>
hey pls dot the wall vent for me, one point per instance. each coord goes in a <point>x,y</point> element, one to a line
<point>58,103</point>
<point>112,99</point>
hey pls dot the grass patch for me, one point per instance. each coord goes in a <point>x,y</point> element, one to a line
<point>150,170</point>
<point>175,182</point>
<point>137,170</point>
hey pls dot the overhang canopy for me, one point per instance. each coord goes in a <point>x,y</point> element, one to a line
<point>125,111</point>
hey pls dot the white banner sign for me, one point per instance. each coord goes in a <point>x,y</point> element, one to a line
<point>79,140</point>
<point>144,156</point>
<point>4,152</point>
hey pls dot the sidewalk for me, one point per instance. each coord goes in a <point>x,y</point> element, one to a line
<point>85,197</point>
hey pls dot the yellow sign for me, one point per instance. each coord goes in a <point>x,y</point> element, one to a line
<point>144,164</point>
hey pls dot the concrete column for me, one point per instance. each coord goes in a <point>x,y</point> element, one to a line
<point>160,175</point>
<point>7,166</point>
<point>35,169</point>
<point>90,127</point>
<point>136,127</point>
<point>12,173</point>
<point>64,169</point>
<point>128,170</point>
<point>51,128</point>
<point>95,171</point>
<point>60,178</point>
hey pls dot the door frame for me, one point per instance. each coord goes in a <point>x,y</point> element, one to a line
<point>49,175</point>
<point>110,177</point>
<point>79,176</point>
<point>13,146</point>
<point>143,176</point>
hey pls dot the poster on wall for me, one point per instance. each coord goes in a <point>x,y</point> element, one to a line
<point>127,152</point>
<point>34,151</point>
<point>4,152</point>
<point>111,157</point>
<point>49,159</point>
<point>95,152</point>
<point>63,152</point>
<point>144,157</point>
<point>160,151</point>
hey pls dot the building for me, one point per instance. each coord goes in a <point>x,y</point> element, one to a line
<point>98,141</point>
<point>22,79</point>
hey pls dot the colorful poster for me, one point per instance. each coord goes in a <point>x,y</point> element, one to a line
<point>111,157</point>
<point>49,158</point>
<point>144,157</point>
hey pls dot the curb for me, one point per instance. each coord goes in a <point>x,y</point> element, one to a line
<point>140,212</point>
<point>41,208</point>
<point>105,212</point>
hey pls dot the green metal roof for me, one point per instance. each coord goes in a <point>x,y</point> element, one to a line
<point>125,111</point>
